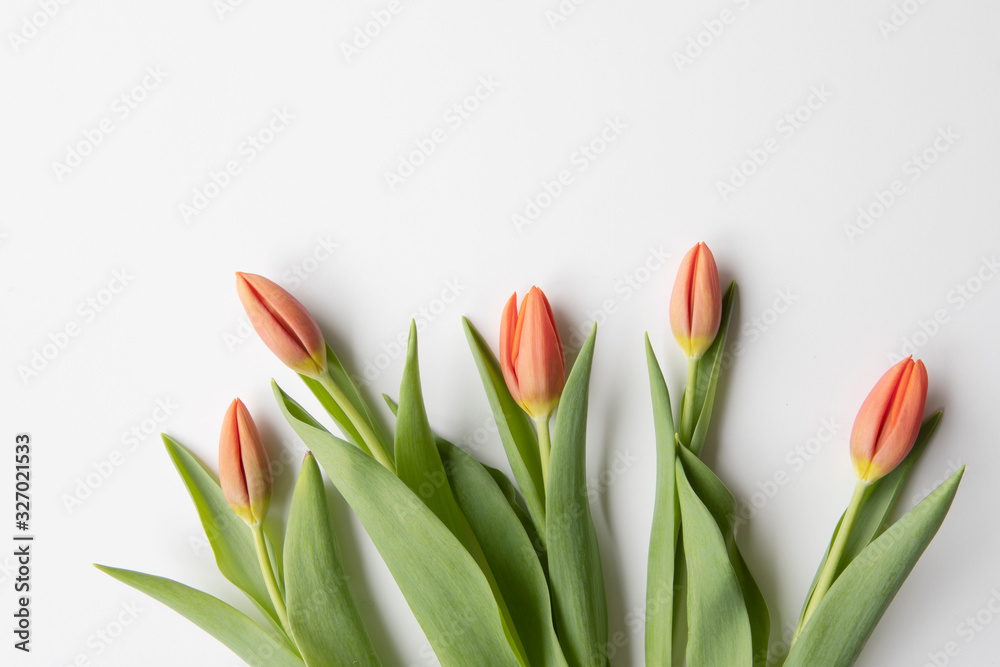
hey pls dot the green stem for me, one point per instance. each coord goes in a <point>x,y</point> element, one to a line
<point>544,447</point>
<point>265,568</point>
<point>836,552</point>
<point>687,410</point>
<point>358,421</point>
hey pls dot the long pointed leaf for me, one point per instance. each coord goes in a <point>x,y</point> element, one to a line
<point>509,552</point>
<point>719,631</point>
<point>709,369</point>
<point>518,438</point>
<point>323,617</point>
<point>663,536</point>
<point>236,630</point>
<point>446,590</point>
<point>575,573</point>
<point>845,618</point>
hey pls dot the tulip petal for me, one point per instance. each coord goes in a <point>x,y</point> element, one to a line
<point>231,475</point>
<point>508,331</point>
<point>540,364</point>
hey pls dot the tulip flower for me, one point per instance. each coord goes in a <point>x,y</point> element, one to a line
<point>533,363</point>
<point>245,477</point>
<point>889,420</point>
<point>244,469</point>
<point>696,302</point>
<point>884,433</point>
<point>283,323</point>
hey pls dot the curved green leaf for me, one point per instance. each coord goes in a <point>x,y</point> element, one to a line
<point>720,502</point>
<point>236,630</point>
<point>516,434</point>
<point>709,368</point>
<point>442,583</point>
<point>509,552</point>
<point>844,619</point>
<point>322,615</point>
<point>575,573</point>
<point>719,631</point>
<point>231,540</point>
<point>660,571</point>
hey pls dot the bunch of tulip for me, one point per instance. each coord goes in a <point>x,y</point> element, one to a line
<point>501,572</point>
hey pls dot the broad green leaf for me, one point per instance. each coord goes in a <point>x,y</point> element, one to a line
<point>418,462</point>
<point>516,434</point>
<point>323,617</point>
<point>660,571</point>
<point>876,508</point>
<point>844,619</point>
<point>719,631</point>
<point>509,552</point>
<point>343,380</point>
<point>510,493</point>
<point>720,502</point>
<point>231,540</point>
<point>709,369</point>
<point>447,592</point>
<point>575,573</point>
<point>236,630</point>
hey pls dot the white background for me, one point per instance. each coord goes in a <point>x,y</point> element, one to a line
<point>869,87</point>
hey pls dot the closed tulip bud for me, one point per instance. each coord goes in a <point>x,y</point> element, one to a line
<point>244,469</point>
<point>696,302</point>
<point>531,354</point>
<point>889,420</point>
<point>283,323</point>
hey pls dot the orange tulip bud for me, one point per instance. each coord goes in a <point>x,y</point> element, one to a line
<point>696,302</point>
<point>889,420</point>
<point>283,323</point>
<point>531,354</point>
<point>244,469</point>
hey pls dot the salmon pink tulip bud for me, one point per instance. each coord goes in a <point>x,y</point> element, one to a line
<point>244,469</point>
<point>889,420</point>
<point>696,302</point>
<point>531,354</point>
<point>283,323</point>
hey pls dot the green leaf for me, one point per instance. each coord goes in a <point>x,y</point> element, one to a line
<point>447,592</point>
<point>231,540</point>
<point>709,368</point>
<point>516,434</point>
<point>844,619</point>
<point>721,504</point>
<point>509,553</point>
<point>876,508</point>
<point>341,378</point>
<point>575,573</point>
<point>236,630</point>
<point>719,631</point>
<point>666,525</point>
<point>323,617</point>
<point>418,462</point>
